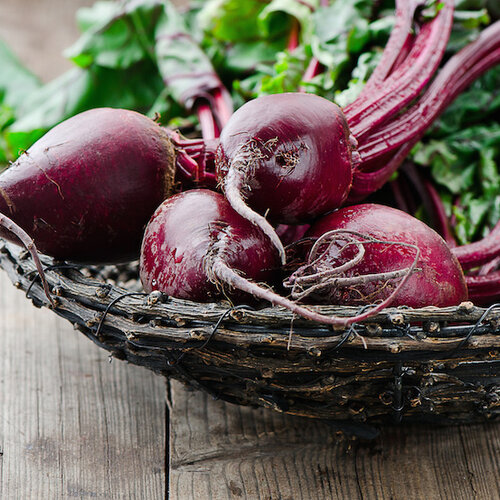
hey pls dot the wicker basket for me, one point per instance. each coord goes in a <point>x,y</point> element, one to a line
<point>431,364</point>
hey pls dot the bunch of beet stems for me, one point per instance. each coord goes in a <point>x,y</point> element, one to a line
<point>195,158</point>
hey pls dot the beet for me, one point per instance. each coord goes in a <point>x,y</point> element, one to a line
<point>186,232</point>
<point>87,188</point>
<point>371,270</point>
<point>296,141</point>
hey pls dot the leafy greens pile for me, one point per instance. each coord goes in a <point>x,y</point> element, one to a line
<point>148,56</point>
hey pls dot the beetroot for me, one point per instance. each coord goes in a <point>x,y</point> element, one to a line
<point>187,232</point>
<point>87,188</point>
<point>348,267</point>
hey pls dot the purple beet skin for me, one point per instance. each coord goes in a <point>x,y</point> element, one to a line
<point>188,233</point>
<point>438,279</point>
<point>86,190</point>
<point>297,152</point>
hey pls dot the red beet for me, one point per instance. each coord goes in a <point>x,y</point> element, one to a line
<point>86,190</point>
<point>288,156</point>
<point>372,270</point>
<point>187,232</point>
<point>284,135</point>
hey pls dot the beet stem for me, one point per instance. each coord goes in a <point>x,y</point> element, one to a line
<point>484,289</point>
<point>242,163</point>
<point>457,74</point>
<point>408,80</point>
<point>206,119</point>
<point>480,252</point>
<point>29,244</point>
<point>400,37</point>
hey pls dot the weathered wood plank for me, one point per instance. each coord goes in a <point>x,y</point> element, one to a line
<point>221,451</point>
<point>72,424</point>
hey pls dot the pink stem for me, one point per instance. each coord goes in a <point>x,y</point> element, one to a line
<point>365,183</point>
<point>293,39</point>
<point>484,290</point>
<point>402,86</point>
<point>195,158</point>
<point>489,267</point>
<point>223,106</point>
<point>431,201</point>
<point>457,74</point>
<point>439,213</point>
<point>399,41</point>
<point>206,119</point>
<point>480,252</point>
<point>314,67</point>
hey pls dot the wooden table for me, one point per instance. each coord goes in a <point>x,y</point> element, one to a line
<point>74,424</point>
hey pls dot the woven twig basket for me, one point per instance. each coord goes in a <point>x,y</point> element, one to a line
<point>431,364</point>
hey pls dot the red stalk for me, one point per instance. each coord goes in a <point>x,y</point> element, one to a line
<point>480,252</point>
<point>492,265</point>
<point>397,47</point>
<point>402,86</point>
<point>207,122</point>
<point>457,74</point>
<point>484,290</point>
<point>439,213</point>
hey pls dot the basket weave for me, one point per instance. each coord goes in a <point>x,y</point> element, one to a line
<point>432,364</point>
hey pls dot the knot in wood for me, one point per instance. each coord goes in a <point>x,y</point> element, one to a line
<point>394,347</point>
<point>386,398</point>
<point>466,307</point>
<point>373,329</point>
<point>58,290</point>
<point>314,352</point>
<point>397,319</point>
<point>266,339</point>
<point>155,297</point>
<point>197,334</point>
<point>237,315</point>
<point>432,327</point>
<point>94,320</point>
<point>179,321</point>
<point>103,291</point>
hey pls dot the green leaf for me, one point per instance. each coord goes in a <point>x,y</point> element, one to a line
<point>360,74</point>
<point>116,36</point>
<point>232,20</point>
<point>79,90</point>
<point>185,68</point>
<point>277,17</point>
<point>16,82</point>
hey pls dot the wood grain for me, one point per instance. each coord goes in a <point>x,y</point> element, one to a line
<point>220,451</point>
<point>72,424</point>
